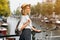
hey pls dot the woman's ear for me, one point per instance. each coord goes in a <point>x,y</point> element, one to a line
<point>23,11</point>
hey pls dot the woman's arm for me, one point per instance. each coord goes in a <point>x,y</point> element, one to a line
<point>35,30</point>
<point>24,25</point>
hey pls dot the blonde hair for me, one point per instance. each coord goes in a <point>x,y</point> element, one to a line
<point>23,9</point>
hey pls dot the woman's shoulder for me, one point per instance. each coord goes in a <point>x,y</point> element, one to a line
<point>27,16</point>
<point>22,17</point>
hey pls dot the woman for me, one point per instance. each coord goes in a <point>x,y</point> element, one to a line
<point>26,24</point>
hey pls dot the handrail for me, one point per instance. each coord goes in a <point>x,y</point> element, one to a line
<point>8,36</point>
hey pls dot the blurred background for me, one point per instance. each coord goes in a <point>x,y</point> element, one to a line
<point>45,15</point>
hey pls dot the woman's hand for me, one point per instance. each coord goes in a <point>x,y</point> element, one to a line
<point>38,31</point>
<point>28,21</point>
<point>25,24</point>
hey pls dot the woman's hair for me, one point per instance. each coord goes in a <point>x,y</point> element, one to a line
<point>24,5</point>
<point>22,12</point>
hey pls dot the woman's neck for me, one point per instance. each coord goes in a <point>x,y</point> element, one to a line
<point>25,14</point>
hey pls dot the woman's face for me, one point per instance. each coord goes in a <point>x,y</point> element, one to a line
<point>27,9</point>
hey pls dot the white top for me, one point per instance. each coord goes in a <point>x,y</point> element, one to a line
<point>24,19</point>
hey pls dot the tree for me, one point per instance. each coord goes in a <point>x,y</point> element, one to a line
<point>18,11</point>
<point>36,9</point>
<point>57,7</point>
<point>47,8</point>
<point>44,9</point>
<point>4,8</point>
<point>33,11</point>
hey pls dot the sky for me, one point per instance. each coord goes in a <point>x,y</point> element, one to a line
<point>14,4</point>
